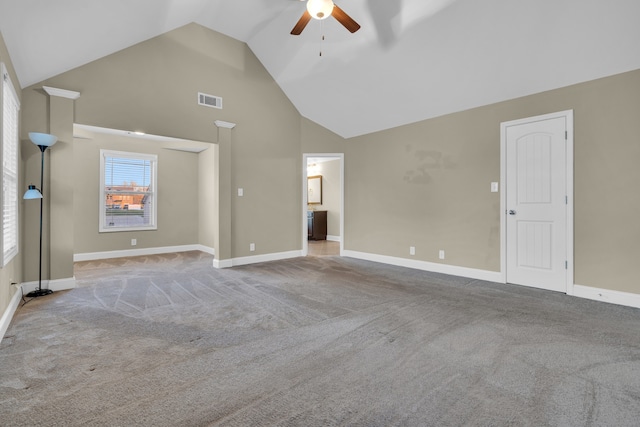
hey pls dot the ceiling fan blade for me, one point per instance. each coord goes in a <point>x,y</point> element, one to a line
<point>345,19</point>
<point>302,22</point>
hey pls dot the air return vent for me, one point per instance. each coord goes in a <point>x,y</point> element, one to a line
<point>209,100</point>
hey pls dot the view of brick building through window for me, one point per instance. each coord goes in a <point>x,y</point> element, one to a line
<point>126,207</point>
<point>121,197</point>
<point>128,182</point>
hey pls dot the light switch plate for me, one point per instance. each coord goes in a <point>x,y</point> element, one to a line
<point>240,192</point>
<point>494,187</point>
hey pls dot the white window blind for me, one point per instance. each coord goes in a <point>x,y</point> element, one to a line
<point>10,145</point>
<point>128,186</point>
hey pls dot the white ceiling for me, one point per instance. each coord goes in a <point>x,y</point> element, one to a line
<point>411,60</point>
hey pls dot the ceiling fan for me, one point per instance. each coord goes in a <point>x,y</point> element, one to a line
<point>322,9</point>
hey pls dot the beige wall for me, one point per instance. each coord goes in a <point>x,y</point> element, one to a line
<point>316,139</point>
<point>427,184</point>
<point>207,213</point>
<point>424,184</point>
<point>153,87</point>
<point>177,196</point>
<point>12,272</point>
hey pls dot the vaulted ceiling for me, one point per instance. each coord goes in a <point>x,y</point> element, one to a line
<point>411,60</point>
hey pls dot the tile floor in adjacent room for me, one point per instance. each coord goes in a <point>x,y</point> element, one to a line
<point>323,248</point>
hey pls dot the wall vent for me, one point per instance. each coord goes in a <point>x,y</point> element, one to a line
<point>209,100</point>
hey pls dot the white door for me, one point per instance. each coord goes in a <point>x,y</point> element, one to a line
<point>537,203</point>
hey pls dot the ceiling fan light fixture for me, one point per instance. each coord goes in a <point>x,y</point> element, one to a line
<point>320,9</point>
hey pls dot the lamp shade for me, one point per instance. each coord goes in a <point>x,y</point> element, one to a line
<point>42,139</point>
<point>32,193</point>
<point>320,9</point>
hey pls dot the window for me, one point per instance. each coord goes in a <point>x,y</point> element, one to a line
<point>10,145</point>
<point>128,189</point>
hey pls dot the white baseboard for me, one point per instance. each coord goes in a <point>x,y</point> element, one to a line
<point>225,263</point>
<point>604,295</point>
<point>607,295</point>
<point>5,321</point>
<point>54,285</point>
<point>492,276</point>
<point>25,288</point>
<point>91,256</point>
<point>333,238</point>
<point>205,249</point>
<point>266,257</point>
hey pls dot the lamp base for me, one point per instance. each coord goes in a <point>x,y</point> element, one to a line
<point>39,293</point>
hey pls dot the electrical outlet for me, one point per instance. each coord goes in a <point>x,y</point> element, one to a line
<point>441,254</point>
<point>252,247</point>
<point>134,242</point>
<point>412,250</point>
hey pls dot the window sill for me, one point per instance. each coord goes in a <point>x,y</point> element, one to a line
<point>121,229</point>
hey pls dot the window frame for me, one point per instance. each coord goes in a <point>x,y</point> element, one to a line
<point>153,158</point>
<point>13,176</point>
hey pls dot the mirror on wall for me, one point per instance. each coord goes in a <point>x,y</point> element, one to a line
<point>314,190</point>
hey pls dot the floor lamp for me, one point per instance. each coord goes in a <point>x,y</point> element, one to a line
<point>42,141</point>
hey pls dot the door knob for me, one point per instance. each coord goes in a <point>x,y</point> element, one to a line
<point>512,212</point>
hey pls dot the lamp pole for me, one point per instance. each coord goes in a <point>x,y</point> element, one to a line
<point>42,141</point>
<point>40,292</point>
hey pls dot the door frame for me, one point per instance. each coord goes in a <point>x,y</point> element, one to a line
<point>568,116</point>
<point>305,157</point>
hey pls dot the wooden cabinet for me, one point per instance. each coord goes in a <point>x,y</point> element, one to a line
<point>317,224</point>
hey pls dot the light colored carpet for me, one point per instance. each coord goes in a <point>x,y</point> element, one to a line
<point>317,341</point>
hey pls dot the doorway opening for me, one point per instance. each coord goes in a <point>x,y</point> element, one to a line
<point>322,204</point>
